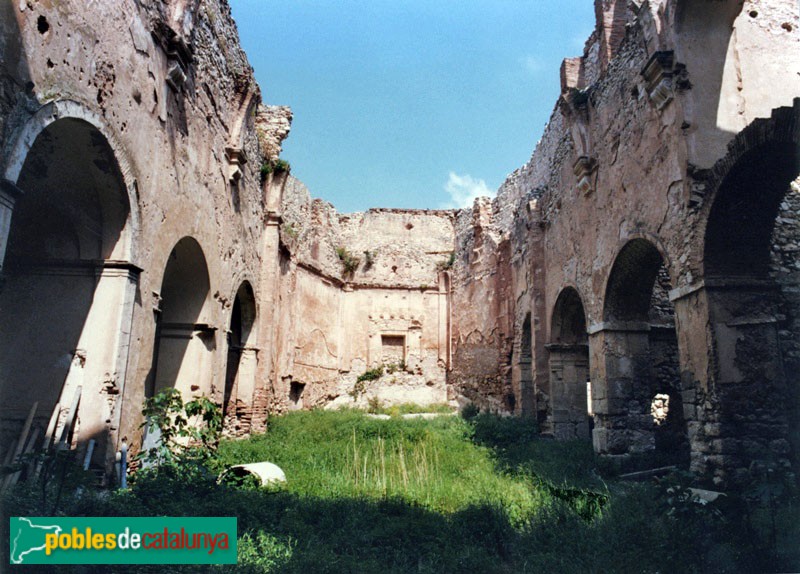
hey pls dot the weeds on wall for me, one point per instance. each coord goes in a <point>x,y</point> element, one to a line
<point>369,259</point>
<point>349,261</point>
<point>447,263</point>
<point>290,230</point>
<point>360,386</point>
<point>274,166</point>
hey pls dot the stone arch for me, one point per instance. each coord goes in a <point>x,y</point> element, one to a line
<point>185,341</point>
<point>56,111</point>
<point>630,282</point>
<point>640,405</point>
<point>240,373</point>
<point>69,280</point>
<point>569,367</point>
<point>749,290</point>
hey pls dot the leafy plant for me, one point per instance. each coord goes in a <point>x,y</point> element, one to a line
<point>266,169</point>
<point>189,432</point>
<point>349,261</point>
<point>470,411</point>
<point>392,368</point>
<point>274,166</point>
<point>374,405</point>
<point>369,375</point>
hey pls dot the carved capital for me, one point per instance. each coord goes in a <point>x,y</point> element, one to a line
<point>584,169</point>
<point>658,78</point>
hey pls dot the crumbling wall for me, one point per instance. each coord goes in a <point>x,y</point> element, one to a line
<point>360,286</point>
<point>170,91</point>
<point>644,115</point>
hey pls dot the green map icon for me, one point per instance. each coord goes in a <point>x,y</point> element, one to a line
<point>28,537</point>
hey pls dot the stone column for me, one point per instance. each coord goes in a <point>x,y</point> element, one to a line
<point>619,362</point>
<point>569,371</point>
<point>445,319</point>
<point>746,420</point>
<point>267,293</point>
<point>535,401</point>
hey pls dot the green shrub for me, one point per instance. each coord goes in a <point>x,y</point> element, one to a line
<point>189,435</point>
<point>274,166</point>
<point>349,262</point>
<point>369,375</point>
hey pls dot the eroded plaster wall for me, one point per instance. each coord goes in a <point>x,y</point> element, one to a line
<point>363,292</point>
<point>167,88</point>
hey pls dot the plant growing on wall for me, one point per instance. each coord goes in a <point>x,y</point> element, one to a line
<point>447,263</point>
<point>349,261</point>
<point>274,166</point>
<point>369,375</point>
<point>369,259</point>
<point>290,230</point>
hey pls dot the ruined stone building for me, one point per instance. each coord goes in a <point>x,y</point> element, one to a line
<point>150,238</point>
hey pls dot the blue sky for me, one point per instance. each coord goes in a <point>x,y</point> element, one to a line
<point>410,104</point>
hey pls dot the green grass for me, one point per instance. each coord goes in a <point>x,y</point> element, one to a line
<point>376,407</point>
<point>439,496</point>
<point>431,464</point>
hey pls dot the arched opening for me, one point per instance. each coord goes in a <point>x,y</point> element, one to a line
<point>185,342</point>
<point>242,356</point>
<point>569,367</point>
<point>752,285</point>
<point>68,285</point>
<point>643,407</point>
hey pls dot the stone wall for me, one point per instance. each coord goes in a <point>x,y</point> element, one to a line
<point>652,116</point>
<point>154,102</point>
<point>363,292</point>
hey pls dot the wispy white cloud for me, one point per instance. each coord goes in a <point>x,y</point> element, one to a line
<point>464,189</point>
<point>532,64</point>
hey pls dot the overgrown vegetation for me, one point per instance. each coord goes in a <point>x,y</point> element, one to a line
<point>481,494</point>
<point>274,166</point>
<point>447,263</point>
<point>349,261</point>
<point>290,230</point>
<point>376,407</point>
<point>360,386</point>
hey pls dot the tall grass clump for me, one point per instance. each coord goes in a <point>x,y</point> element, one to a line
<point>429,463</point>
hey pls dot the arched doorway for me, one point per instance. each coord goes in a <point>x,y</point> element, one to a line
<point>641,395</point>
<point>240,374</point>
<point>569,367</point>
<point>185,341</point>
<point>68,283</point>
